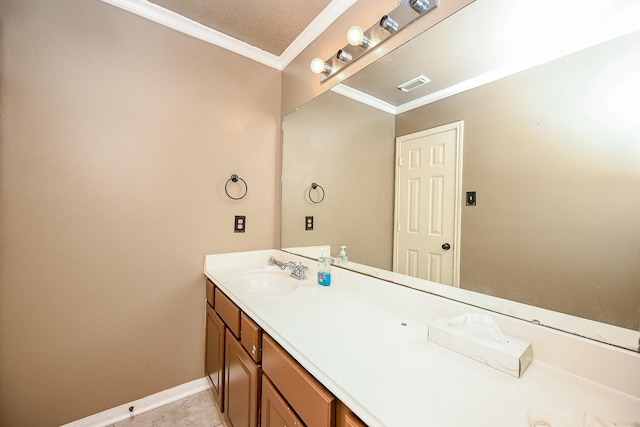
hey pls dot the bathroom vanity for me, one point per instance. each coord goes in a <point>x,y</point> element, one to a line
<point>356,353</point>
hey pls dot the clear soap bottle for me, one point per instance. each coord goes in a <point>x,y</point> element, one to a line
<point>324,270</point>
<point>342,257</point>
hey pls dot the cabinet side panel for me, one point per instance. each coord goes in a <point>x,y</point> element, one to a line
<point>214,355</point>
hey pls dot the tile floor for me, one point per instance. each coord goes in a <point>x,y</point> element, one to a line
<point>193,411</point>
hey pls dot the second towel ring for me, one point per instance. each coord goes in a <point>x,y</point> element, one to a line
<point>315,186</point>
<point>236,178</point>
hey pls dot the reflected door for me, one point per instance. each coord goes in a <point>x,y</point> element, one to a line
<point>428,191</point>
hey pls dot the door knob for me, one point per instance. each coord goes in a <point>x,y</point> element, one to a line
<point>446,246</point>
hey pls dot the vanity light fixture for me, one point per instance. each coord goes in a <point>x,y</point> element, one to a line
<point>388,24</point>
<point>318,66</point>
<point>344,56</point>
<point>391,23</point>
<point>355,37</point>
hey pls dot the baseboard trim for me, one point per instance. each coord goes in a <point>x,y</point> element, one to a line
<point>120,413</point>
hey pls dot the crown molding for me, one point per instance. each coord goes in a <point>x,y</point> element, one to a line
<point>187,26</point>
<point>314,29</point>
<point>364,98</point>
<point>175,21</point>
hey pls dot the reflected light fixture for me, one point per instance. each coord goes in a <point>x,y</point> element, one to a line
<point>388,24</point>
<point>318,66</point>
<point>355,37</point>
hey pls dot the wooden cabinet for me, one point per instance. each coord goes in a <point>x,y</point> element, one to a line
<point>232,358</point>
<point>214,354</point>
<point>242,381</point>
<point>313,403</point>
<point>255,381</point>
<point>275,410</point>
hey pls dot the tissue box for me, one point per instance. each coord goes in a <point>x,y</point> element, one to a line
<point>511,357</point>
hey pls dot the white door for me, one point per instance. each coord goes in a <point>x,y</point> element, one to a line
<point>428,204</point>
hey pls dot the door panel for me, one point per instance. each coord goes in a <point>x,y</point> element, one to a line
<point>428,191</point>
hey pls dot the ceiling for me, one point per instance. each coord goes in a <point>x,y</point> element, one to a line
<point>272,32</point>
<point>486,40</point>
<point>270,25</point>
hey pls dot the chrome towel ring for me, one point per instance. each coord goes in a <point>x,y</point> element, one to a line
<point>236,178</point>
<point>315,186</point>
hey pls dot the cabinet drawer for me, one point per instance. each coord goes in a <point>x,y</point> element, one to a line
<point>210,287</point>
<point>311,401</point>
<point>275,411</point>
<point>228,311</point>
<point>251,337</point>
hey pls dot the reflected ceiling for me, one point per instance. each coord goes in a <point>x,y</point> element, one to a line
<point>470,48</point>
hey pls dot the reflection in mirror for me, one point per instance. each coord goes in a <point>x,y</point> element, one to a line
<point>552,152</point>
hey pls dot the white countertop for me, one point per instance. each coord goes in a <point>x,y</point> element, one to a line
<point>366,340</point>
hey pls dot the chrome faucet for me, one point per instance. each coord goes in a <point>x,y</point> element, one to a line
<point>297,270</point>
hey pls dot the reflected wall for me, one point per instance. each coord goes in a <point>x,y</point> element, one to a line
<point>554,156</point>
<point>347,148</point>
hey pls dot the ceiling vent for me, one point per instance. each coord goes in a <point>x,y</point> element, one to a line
<point>414,83</point>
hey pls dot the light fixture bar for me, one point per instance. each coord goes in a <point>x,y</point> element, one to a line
<point>360,42</point>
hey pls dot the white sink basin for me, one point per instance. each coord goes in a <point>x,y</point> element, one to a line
<point>266,282</point>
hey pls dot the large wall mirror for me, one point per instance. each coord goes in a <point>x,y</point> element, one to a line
<point>550,106</point>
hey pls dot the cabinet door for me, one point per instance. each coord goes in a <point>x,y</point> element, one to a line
<point>275,411</point>
<point>214,354</point>
<point>241,385</point>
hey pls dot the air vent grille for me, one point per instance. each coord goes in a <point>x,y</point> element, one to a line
<point>414,83</point>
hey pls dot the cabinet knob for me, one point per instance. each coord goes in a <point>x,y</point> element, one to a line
<point>253,349</point>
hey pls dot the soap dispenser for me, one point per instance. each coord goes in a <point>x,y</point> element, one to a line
<point>324,270</point>
<point>342,257</point>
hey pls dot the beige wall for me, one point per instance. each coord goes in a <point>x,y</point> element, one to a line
<point>117,138</point>
<point>348,148</point>
<point>554,158</point>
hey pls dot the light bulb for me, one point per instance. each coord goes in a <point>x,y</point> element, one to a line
<point>317,65</point>
<point>355,35</point>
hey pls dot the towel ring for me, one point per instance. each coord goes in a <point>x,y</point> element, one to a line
<point>236,178</point>
<point>315,186</point>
